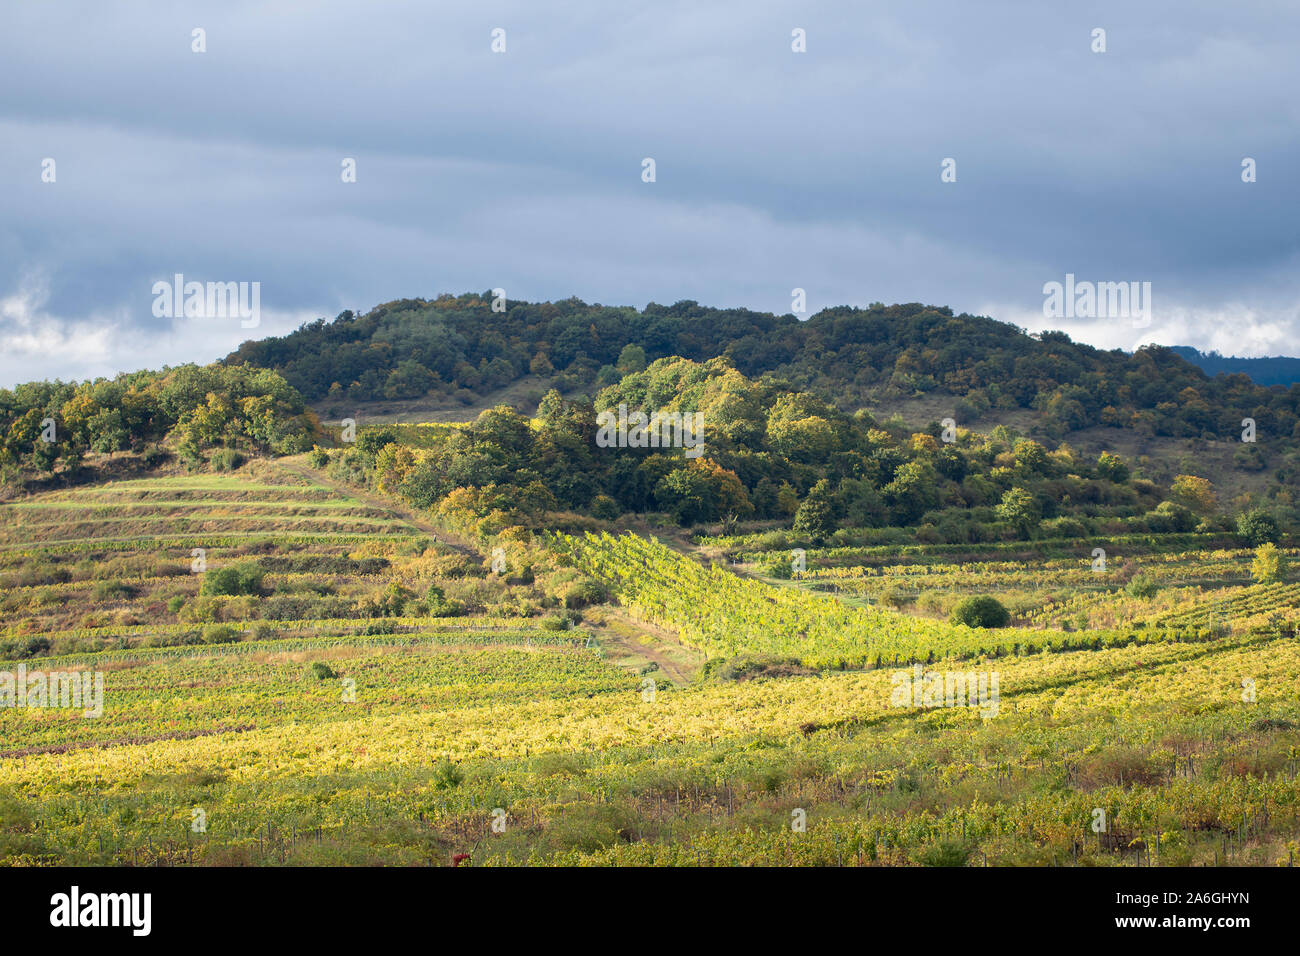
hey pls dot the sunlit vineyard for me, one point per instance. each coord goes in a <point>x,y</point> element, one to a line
<point>385,696</point>
<point>727,615</point>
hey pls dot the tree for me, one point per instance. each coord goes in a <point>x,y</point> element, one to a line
<point>1112,468</point>
<point>913,491</point>
<point>631,359</point>
<point>1194,493</point>
<point>1258,527</point>
<point>1019,509</point>
<point>1269,566</point>
<point>981,611</point>
<point>1031,457</point>
<point>816,516</point>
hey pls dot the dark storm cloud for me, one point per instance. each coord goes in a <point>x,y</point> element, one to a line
<point>775,169</point>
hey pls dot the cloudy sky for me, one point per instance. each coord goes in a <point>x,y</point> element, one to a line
<point>523,170</point>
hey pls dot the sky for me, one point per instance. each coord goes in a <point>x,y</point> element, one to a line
<point>820,170</point>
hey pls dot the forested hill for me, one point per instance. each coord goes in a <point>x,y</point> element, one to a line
<point>1272,370</point>
<point>458,346</point>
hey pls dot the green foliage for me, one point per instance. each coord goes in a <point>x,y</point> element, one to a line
<point>1270,565</point>
<point>220,634</point>
<point>226,459</point>
<point>981,611</point>
<point>319,670</point>
<point>1019,509</point>
<point>113,590</point>
<point>233,579</point>
<point>945,853</point>
<point>197,408</point>
<point>1142,586</point>
<point>447,776</point>
<point>816,516</point>
<point>1257,527</point>
<point>1112,468</point>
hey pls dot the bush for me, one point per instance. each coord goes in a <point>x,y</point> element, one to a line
<point>582,592</point>
<point>321,671</point>
<point>226,459</point>
<point>604,508</point>
<point>220,634</point>
<point>946,853</point>
<point>982,611</point>
<point>154,456</point>
<point>112,590</point>
<point>319,458</point>
<point>25,647</point>
<point>447,776</point>
<point>1142,587</point>
<point>1258,527</point>
<point>233,579</point>
<point>1269,566</point>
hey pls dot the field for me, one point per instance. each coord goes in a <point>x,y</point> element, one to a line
<point>381,695</point>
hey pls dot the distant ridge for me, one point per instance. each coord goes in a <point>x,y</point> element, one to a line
<point>1274,370</point>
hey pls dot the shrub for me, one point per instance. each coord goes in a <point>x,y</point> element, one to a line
<point>321,671</point>
<point>1269,566</point>
<point>112,590</point>
<point>154,456</point>
<point>447,776</point>
<point>226,459</point>
<point>1142,586</point>
<point>233,579</point>
<point>319,457</point>
<point>946,853</point>
<point>1258,527</point>
<point>220,634</point>
<point>604,507</point>
<point>582,592</point>
<point>981,611</point>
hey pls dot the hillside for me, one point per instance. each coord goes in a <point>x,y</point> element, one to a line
<point>336,687</point>
<point>788,630</point>
<point>1272,370</point>
<point>456,350</point>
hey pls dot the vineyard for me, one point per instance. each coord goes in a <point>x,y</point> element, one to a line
<point>380,694</point>
<point>727,615</point>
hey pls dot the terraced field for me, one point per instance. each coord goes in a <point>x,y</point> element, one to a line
<point>123,564</point>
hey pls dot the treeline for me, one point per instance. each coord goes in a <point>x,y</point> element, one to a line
<point>1271,370</point>
<point>51,426</point>
<point>459,347</point>
<point>768,452</point>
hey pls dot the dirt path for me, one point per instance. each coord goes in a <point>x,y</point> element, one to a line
<point>413,518</point>
<point>633,643</point>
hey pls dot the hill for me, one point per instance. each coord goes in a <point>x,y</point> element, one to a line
<point>1272,370</point>
<point>457,350</point>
